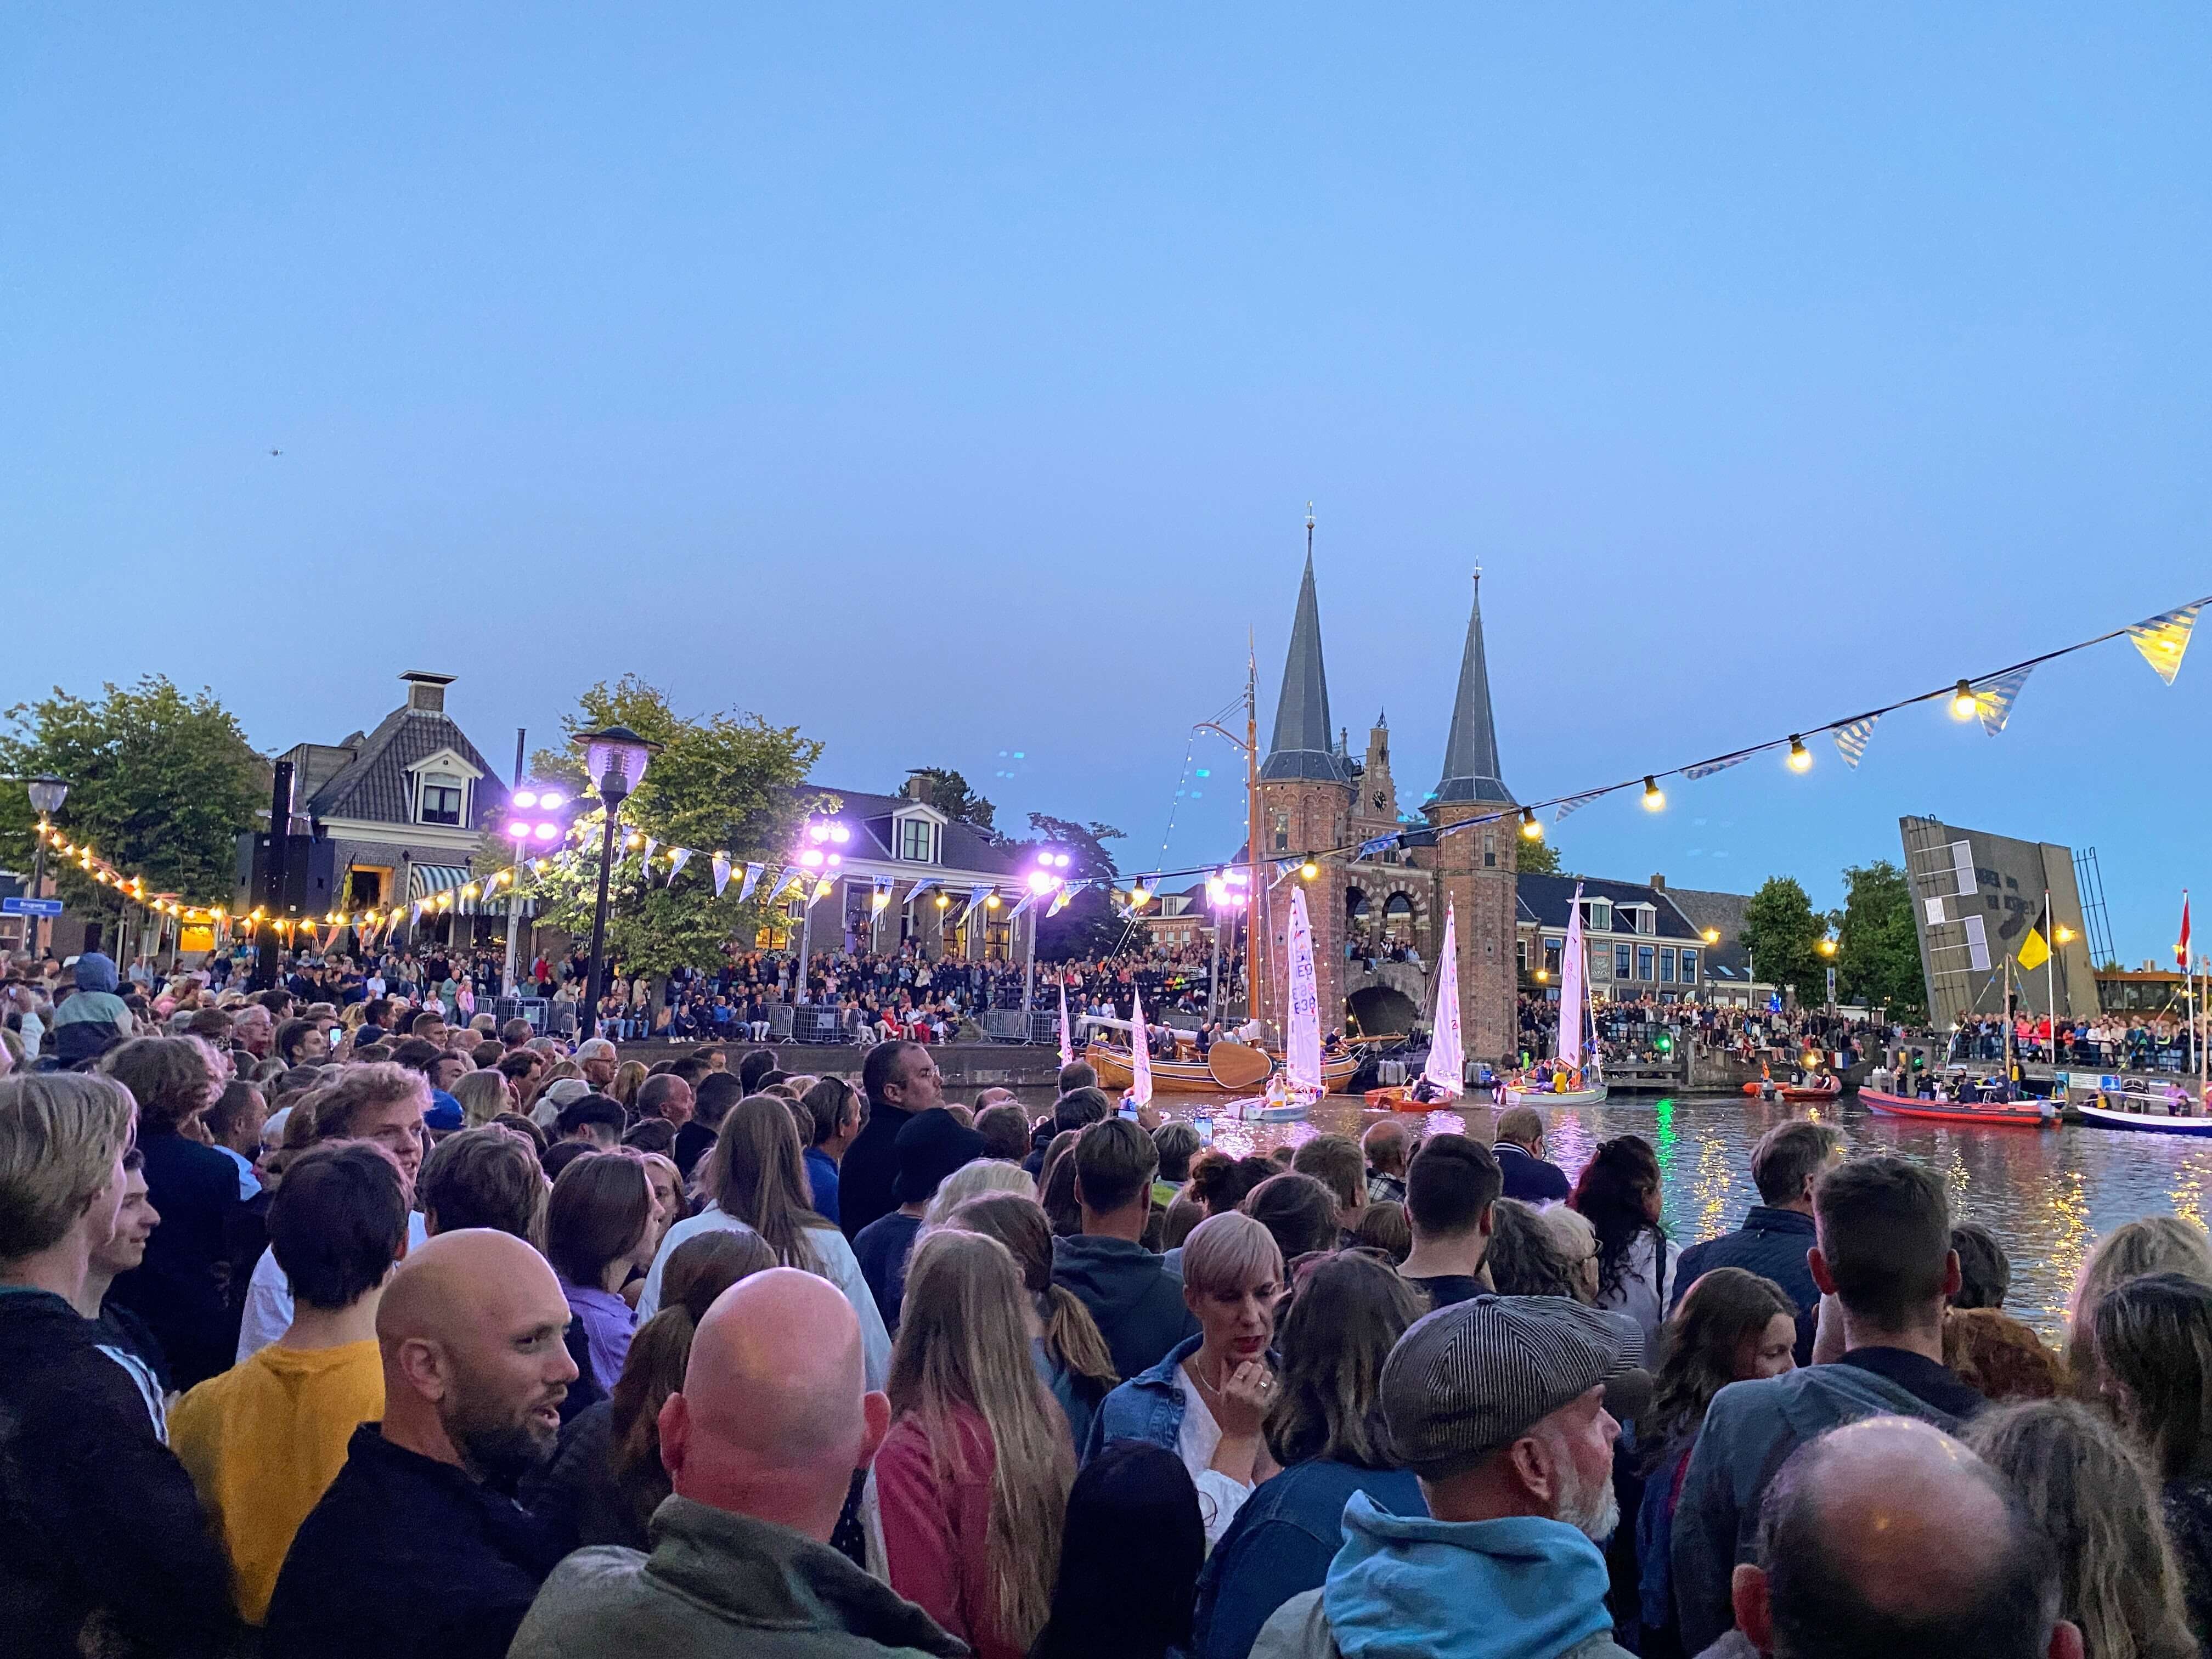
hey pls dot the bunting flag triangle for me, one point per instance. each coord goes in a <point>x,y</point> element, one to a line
<point>2164,638</point>
<point>678,858</point>
<point>1706,768</point>
<point>1993,698</point>
<point>1068,890</point>
<point>1851,739</point>
<point>1368,849</point>
<point>722,873</point>
<point>753,873</point>
<point>647,862</point>
<point>1574,804</point>
<point>1020,905</point>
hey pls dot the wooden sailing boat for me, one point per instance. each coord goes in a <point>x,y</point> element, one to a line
<point>1565,1080</point>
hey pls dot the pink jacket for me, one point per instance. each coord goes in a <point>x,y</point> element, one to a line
<point>936,1532</point>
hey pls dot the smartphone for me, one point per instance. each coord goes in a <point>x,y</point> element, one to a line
<point>1129,1110</point>
<point>1204,1124</point>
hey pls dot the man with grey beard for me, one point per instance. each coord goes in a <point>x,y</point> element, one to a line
<point>1506,1408</point>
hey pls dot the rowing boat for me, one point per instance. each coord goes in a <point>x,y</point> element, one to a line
<point>1767,1089</point>
<point>1509,1094</point>
<point>1228,1068</point>
<point>2016,1114</point>
<point>2111,1117</point>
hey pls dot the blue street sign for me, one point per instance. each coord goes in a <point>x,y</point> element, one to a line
<point>30,907</point>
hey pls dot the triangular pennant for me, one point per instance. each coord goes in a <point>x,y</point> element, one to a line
<point>1060,899</point>
<point>922,887</point>
<point>753,873</point>
<point>2164,638</point>
<point>1993,698</point>
<point>678,858</point>
<point>722,874</point>
<point>1574,804</point>
<point>1020,905</point>
<point>881,898</point>
<point>1851,739</point>
<point>650,843</point>
<point>1706,768</point>
<point>1368,849</point>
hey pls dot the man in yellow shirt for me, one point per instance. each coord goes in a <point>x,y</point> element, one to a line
<point>265,1439</point>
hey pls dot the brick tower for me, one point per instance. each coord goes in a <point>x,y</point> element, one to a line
<point>1475,867</point>
<point>1306,793</point>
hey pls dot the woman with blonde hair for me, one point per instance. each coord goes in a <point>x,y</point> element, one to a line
<point>2152,1244</point>
<point>1071,1350</point>
<point>484,1096</point>
<point>972,1481</point>
<point>1208,1401</point>
<point>629,1077</point>
<point>974,1180</point>
<point>754,1178</point>
<point>2119,1580</point>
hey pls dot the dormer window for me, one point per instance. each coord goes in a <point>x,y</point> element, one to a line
<point>1600,915</point>
<point>442,796</point>
<point>917,839</point>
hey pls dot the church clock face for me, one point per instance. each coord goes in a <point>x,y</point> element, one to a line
<point>1378,800</point>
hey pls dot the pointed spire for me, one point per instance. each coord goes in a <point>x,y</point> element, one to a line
<point>1302,747</point>
<point>1471,770</point>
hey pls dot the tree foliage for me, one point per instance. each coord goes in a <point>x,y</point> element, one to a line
<point>1537,858</point>
<point>1878,954</point>
<point>1782,930</point>
<point>161,784</point>
<point>728,782</point>
<point>949,794</point>
<point>1086,926</point>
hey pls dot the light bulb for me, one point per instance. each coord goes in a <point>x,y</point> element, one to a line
<point>1655,798</point>
<point>550,798</point>
<point>1800,757</point>
<point>526,798</point>
<point>1963,704</point>
<point>1530,828</point>
<point>1309,870</point>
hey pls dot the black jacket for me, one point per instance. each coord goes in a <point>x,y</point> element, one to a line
<point>183,1288</point>
<point>1531,1180</point>
<point>1772,1244</point>
<point>1137,1302</point>
<point>103,1548</point>
<point>864,1179</point>
<point>407,1558</point>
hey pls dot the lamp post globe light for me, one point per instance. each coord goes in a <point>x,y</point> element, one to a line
<point>615,759</point>
<point>47,794</point>
<point>818,855</point>
<point>536,813</point>
<point>1046,877</point>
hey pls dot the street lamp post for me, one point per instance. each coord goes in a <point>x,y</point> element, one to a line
<point>47,794</point>
<point>1042,882</point>
<point>617,758</point>
<point>817,856</point>
<point>526,823</point>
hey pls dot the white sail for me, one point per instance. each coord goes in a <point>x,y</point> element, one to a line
<point>1446,1066</point>
<point>1573,965</point>
<point>1302,1026</point>
<point>1140,1050</point>
<point>1066,1049</point>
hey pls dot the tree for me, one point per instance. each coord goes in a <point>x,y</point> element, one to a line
<point>1086,926</point>
<point>726,782</point>
<point>161,785</point>
<point>1782,930</point>
<point>1537,858</point>
<point>949,794</point>
<point>1878,955</point>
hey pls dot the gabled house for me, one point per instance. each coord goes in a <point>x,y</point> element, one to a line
<point>397,812</point>
<point>1640,943</point>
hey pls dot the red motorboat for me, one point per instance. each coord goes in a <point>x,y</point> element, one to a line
<point>1827,1088</point>
<point>2016,1114</point>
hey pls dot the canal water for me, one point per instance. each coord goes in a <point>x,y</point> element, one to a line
<point>2049,1195</point>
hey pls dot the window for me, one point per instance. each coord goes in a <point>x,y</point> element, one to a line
<point>1489,849</point>
<point>1622,963</point>
<point>1689,967</point>
<point>1598,954</point>
<point>1520,951</point>
<point>441,800</point>
<point>1666,964</point>
<point>1600,915</point>
<point>1644,961</point>
<point>1552,949</point>
<point>1282,832</point>
<point>917,841</point>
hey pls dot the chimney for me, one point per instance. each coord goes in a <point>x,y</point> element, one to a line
<point>425,693</point>
<point>1658,882</point>
<point>917,788</point>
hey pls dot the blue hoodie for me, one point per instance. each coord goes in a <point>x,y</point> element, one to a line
<point>1518,1588</point>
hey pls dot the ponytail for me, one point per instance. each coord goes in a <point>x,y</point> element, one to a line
<point>1073,1338</point>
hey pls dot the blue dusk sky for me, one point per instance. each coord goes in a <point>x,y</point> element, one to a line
<point>951,380</point>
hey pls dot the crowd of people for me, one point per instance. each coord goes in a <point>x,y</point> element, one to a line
<point>2158,1043</point>
<point>390,1335</point>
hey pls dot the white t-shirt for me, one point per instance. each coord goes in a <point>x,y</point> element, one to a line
<point>1219,1497</point>
<point>268,1312</point>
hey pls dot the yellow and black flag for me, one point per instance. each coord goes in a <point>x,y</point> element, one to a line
<point>2035,949</point>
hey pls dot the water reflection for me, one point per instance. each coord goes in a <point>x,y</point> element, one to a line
<point>2048,1193</point>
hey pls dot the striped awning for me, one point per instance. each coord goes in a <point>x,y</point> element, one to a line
<point>429,880</point>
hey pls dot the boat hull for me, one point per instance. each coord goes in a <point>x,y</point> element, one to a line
<point>2105,1117</point>
<point>1399,1097</point>
<point>1511,1096</point>
<point>1183,1077</point>
<point>1791,1091</point>
<point>2015,1115</point>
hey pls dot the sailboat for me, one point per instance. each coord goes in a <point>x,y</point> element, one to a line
<point>1294,1087</point>
<point>1444,1073</point>
<point>1564,1081</point>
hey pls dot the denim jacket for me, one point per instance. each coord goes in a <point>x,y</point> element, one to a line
<point>1147,1407</point>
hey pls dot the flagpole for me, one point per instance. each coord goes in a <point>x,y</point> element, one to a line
<point>2051,984</point>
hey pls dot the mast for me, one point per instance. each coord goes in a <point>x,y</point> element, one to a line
<point>1255,895</point>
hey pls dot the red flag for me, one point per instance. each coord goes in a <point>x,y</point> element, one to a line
<point>2181,945</point>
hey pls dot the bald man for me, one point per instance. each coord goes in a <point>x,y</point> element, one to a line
<point>418,1549</point>
<point>1889,1537</point>
<point>760,1444</point>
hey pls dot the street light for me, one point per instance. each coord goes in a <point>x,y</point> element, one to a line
<point>616,758</point>
<point>47,794</point>
<point>818,842</point>
<point>1042,881</point>
<point>532,818</point>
